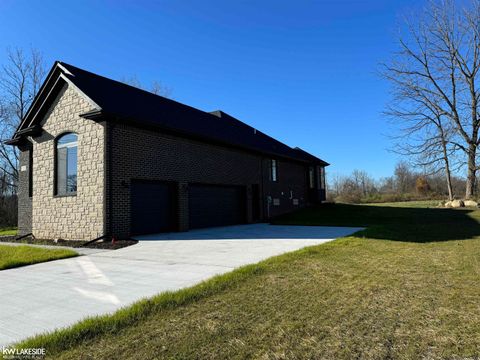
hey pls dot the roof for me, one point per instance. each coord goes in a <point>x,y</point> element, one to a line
<point>115,100</point>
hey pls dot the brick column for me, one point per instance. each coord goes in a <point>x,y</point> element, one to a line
<point>182,206</point>
<point>249,204</point>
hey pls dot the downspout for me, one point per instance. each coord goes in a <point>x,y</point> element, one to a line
<point>105,178</point>
<point>263,188</point>
<point>110,179</point>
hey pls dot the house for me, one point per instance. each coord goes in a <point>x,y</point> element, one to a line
<point>99,157</point>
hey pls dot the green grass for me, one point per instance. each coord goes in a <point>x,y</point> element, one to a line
<point>8,231</point>
<point>405,288</point>
<point>410,204</point>
<point>15,256</point>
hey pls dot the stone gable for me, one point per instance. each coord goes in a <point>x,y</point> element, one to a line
<point>79,217</point>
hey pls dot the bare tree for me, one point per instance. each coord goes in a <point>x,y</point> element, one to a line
<point>425,135</point>
<point>355,188</point>
<point>435,73</point>
<point>363,182</point>
<point>404,178</point>
<point>157,87</point>
<point>405,184</point>
<point>20,80</point>
<point>335,184</point>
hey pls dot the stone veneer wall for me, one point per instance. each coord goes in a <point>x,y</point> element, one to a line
<point>79,217</point>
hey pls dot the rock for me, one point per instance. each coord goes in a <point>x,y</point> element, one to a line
<point>470,203</point>
<point>458,203</point>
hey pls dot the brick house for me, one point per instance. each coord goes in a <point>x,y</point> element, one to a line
<point>98,157</point>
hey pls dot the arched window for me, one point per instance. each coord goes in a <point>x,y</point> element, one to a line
<point>66,165</point>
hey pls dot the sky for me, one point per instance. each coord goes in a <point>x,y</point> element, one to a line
<point>304,72</point>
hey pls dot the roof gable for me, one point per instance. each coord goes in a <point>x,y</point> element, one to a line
<point>51,87</point>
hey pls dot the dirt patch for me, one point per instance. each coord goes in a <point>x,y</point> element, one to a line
<point>101,244</point>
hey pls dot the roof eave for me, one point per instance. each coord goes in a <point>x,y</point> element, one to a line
<point>21,135</point>
<point>95,115</point>
<point>57,76</point>
<point>33,130</point>
<point>39,95</point>
<point>14,142</point>
<point>102,115</point>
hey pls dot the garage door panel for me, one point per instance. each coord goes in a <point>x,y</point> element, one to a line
<point>152,207</point>
<point>213,205</point>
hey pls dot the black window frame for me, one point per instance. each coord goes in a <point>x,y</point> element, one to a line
<point>55,166</point>
<point>321,177</point>
<point>311,177</point>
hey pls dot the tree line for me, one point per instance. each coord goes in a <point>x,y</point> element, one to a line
<point>404,185</point>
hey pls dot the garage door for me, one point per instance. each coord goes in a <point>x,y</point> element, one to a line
<point>212,205</point>
<point>152,207</point>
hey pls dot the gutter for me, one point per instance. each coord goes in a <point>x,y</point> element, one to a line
<point>21,135</point>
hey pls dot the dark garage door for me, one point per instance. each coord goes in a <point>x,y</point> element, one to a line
<point>152,207</point>
<point>213,205</point>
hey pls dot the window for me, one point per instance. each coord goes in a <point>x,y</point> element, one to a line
<point>274,170</point>
<point>322,177</point>
<point>311,177</point>
<point>66,165</point>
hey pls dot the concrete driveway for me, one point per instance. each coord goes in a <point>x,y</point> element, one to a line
<point>43,297</point>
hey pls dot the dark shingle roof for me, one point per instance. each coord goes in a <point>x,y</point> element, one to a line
<point>145,108</point>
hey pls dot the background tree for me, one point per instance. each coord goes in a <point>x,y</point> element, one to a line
<point>363,182</point>
<point>422,186</point>
<point>435,77</point>
<point>425,136</point>
<point>404,178</point>
<point>21,77</point>
<point>20,80</point>
<point>404,185</point>
<point>157,87</point>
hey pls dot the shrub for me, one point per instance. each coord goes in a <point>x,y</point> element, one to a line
<point>422,186</point>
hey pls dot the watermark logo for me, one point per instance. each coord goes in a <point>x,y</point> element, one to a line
<point>25,353</point>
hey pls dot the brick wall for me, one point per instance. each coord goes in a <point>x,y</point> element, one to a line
<point>102,203</point>
<point>79,217</point>
<point>24,200</point>
<point>289,192</point>
<point>143,154</point>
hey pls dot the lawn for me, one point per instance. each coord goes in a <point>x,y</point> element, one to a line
<point>15,256</point>
<point>8,231</point>
<point>405,288</point>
